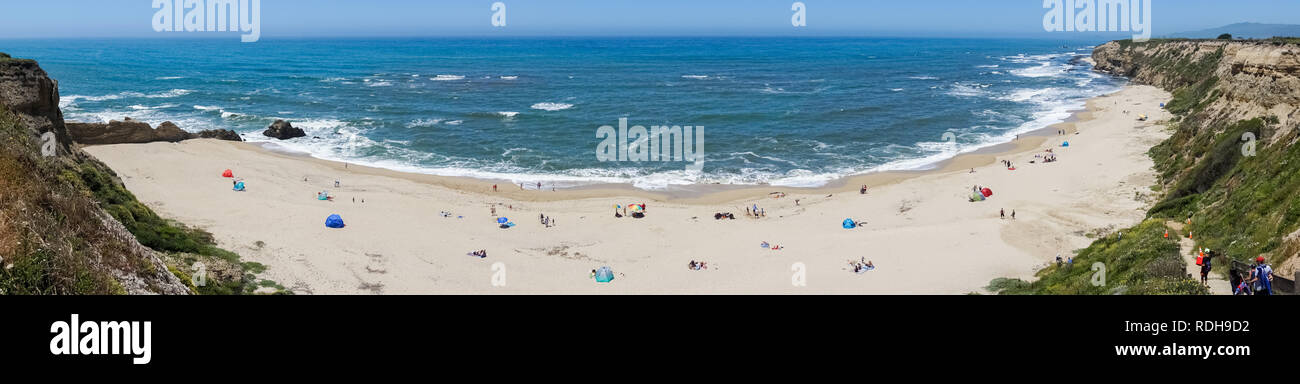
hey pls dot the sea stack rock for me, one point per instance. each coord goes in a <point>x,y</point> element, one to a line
<point>282,130</point>
<point>169,132</point>
<point>126,131</point>
<point>219,134</point>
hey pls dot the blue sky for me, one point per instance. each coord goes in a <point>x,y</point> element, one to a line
<point>297,18</point>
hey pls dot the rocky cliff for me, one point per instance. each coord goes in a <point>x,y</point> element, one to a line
<point>54,236</point>
<point>1238,79</point>
<point>1232,165</point>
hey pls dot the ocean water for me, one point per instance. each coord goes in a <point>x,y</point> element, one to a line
<point>779,111</point>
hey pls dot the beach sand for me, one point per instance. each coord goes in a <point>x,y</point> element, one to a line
<point>920,230</point>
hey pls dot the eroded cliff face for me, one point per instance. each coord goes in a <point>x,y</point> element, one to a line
<point>1232,163</point>
<point>54,237</point>
<point>28,92</point>
<point>1250,79</point>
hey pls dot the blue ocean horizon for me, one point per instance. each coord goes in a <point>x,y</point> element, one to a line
<point>776,110</point>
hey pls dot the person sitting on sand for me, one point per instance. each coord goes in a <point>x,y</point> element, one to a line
<point>691,265</point>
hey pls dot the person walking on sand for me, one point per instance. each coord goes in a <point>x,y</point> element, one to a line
<point>1004,213</point>
<point>494,187</point>
<point>1013,214</point>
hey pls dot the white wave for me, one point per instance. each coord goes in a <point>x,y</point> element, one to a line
<point>455,122</point>
<point>509,77</point>
<point>170,94</point>
<point>896,89</point>
<point>333,79</point>
<point>207,108</point>
<point>447,78</point>
<point>508,114</point>
<point>380,84</point>
<point>987,66</point>
<point>923,78</point>
<point>423,123</point>
<point>696,77</point>
<point>552,106</point>
<point>967,89</point>
<point>1027,94</point>
<point>1042,70</point>
<point>169,78</point>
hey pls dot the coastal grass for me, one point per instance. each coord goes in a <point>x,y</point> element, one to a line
<point>1142,262</point>
<point>54,240</point>
<point>49,234</point>
<point>186,248</point>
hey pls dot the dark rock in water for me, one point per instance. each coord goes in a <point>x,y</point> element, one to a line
<point>219,134</point>
<point>115,132</point>
<point>282,130</point>
<point>130,131</point>
<point>170,132</point>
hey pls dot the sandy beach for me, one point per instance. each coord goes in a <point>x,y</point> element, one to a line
<point>920,230</point>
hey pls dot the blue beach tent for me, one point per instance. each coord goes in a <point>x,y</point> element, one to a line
<point>239,186</point>
<point>334,221</point>
<point>849,224</point>
<point>604,275</point>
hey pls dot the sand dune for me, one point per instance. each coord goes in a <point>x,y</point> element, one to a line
<point>921,231</point>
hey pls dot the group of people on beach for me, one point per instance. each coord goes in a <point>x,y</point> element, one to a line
<point>482,254</point>
<point>697,265</point>
<point>755,211</point>
<point>545,220</point>
<point>1004,214</point>
<point>862,265</point>
<point>1049,157</point>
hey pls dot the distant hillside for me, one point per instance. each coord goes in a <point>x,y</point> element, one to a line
<point>1245,31</point>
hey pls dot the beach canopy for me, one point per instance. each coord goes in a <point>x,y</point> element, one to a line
<point>850,224</point>
<point>1065,144</point>
<point>239,186</point>
<point>334,221</point>
<point>502,220</point>
<point>604,275</point>
<point>228,173</point>
<point>986,192</point>
<point>977,197</point>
